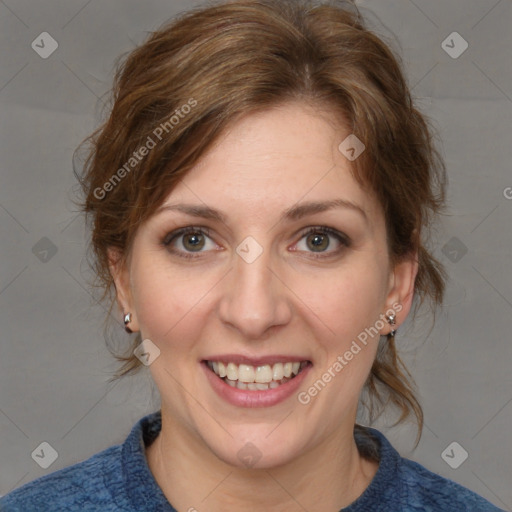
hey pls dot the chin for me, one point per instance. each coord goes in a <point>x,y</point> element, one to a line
<point>255,449</point>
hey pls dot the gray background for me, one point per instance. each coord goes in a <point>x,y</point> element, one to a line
<point>54,365</point>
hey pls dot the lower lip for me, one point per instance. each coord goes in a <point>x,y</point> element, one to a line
<point>254,398</point>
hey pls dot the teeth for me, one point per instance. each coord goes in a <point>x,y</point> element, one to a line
<point>263,374</point>
<point>277,372</point>
<point>255,386</point>
<point>246,376</point>
<point>231,371</point>
<point>246,373</point>
<point>222,369</point>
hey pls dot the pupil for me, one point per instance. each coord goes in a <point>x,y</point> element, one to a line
<point>319,241</point>
<point>194,241</point>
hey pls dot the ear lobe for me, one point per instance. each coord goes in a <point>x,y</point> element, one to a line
<point>401,294</point>
<point>121,279</point>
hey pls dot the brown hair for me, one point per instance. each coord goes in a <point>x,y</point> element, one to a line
<point>176,93</point>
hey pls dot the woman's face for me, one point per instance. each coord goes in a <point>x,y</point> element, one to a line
<point>284,260</point>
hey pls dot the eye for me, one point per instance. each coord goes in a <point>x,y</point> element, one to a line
<point>320,239</point>
<point>186,241</point>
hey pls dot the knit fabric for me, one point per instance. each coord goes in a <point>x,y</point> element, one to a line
<point>119,479</point>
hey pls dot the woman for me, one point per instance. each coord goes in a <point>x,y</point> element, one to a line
<point>259,198</point>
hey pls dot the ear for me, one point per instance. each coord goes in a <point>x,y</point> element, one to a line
<point>401,292</point>
<point>121,276</point>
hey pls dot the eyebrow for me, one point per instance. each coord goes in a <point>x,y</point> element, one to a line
<point>295,212</point>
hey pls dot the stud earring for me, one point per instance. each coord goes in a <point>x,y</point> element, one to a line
<point>127,320</point>
<point>391,319</point>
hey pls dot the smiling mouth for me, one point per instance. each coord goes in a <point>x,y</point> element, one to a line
<point>256,378</point>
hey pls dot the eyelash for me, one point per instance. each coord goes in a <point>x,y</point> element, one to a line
<point>341,238</point>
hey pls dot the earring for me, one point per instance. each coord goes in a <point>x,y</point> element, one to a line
<point>391,318</point>
<point>127,320</point>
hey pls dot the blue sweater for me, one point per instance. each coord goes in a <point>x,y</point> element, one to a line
<point>119,479</point>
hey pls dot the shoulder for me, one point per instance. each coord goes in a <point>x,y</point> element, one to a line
<point>82,486</point>
<point>401,484</point>
<point>427,491</point>
<point>117,479</point>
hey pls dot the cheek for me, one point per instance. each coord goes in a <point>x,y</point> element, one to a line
<point>344,302</point>
<point>348,305</point>
<point>169,304</point>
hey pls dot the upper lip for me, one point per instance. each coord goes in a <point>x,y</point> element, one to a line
<point>256,361</point>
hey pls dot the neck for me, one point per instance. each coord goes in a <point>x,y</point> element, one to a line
<point>325,479</point>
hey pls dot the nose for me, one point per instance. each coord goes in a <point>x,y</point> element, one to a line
<point>255,299</point>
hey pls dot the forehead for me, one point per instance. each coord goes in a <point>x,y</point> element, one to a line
<point>268,160</point>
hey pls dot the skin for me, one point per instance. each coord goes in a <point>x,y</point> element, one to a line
<point>285,302</point>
